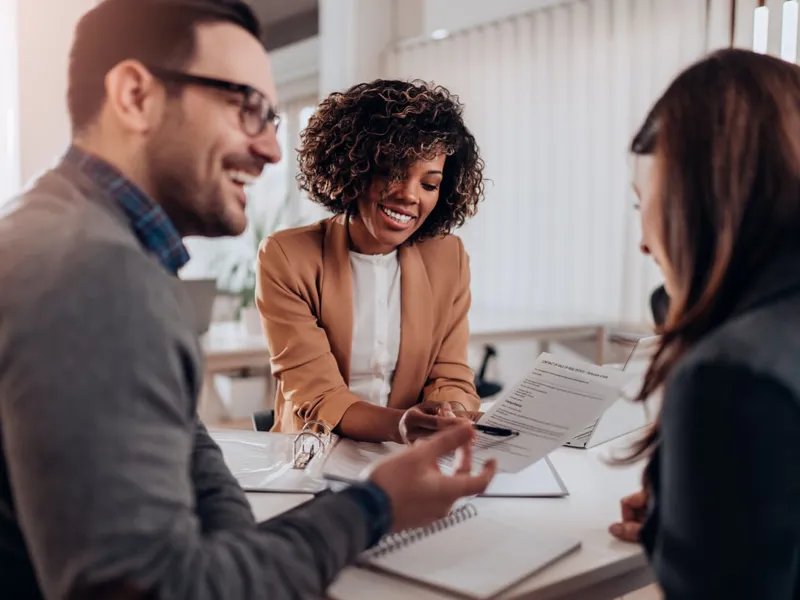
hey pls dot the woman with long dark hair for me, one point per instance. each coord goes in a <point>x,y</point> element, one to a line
<point>718,179</point>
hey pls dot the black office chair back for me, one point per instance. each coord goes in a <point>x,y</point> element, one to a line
<point>486,389</point>
<point>659,305</point>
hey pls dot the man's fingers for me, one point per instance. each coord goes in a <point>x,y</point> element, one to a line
<point>627,531</point>
<point>449,440</point>
<point>460,485</point>
<point>465,460</point>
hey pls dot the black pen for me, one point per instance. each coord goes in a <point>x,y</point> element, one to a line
<point>498,431</point>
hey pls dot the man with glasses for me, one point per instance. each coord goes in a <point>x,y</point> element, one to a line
<point>109,485</point>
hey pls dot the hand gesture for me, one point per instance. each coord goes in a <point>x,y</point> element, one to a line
<point>419,492</point>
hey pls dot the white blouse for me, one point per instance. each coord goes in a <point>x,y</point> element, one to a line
<point>376,325</point>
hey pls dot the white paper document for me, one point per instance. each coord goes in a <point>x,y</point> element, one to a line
<point>350,462</point>
<point>552,404</point>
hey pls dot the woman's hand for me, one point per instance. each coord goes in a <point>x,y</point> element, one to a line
<point>634,508</point>
<point>458,410</point>
<point>424,419</point>
<point>469,415</point>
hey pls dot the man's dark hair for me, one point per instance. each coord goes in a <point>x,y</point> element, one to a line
<point>155,32</point>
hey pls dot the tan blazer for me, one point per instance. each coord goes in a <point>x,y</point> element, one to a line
<point>305,297</point>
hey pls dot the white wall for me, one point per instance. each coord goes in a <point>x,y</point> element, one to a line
<point>296,69</point>
<point>353,36</point>
<point>453,16</point>
<point>409,18</point>
<point>45,36</point>
<point>553,97</point>
<point>9,102</point>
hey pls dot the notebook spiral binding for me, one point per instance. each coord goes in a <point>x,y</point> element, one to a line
<point>401,539</point>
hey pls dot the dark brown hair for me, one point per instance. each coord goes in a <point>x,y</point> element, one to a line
<point>155,32</point>
<point>726,139</point>
<point>381,128</point>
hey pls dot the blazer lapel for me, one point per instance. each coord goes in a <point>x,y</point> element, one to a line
<point>336,295</point>
<point>416,327</point>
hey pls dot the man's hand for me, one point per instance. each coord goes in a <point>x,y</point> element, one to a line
<point>419,492</point>
<point>634,508</point>
<point>424,419</point>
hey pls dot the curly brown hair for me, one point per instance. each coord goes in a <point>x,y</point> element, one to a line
<point>380,128</point>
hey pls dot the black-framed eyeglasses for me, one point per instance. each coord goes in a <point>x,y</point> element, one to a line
<point>256,111</point>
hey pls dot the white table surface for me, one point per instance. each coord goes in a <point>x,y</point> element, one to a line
<point>603,568</point>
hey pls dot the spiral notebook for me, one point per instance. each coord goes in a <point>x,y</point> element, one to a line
<point>460,554</point>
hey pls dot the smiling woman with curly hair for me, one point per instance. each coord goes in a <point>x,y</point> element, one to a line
<point>381,129</point>
<point>366,312</point>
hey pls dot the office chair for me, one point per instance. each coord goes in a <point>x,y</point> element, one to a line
<point>486,389</point>
<point>263,420</point>
<point>659,305</point>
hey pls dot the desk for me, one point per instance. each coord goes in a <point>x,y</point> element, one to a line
<point>603,568</point>
<point>508,325</point>
<point>228,347</point>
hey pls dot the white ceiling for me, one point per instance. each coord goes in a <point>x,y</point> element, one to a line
<point>273,11</point>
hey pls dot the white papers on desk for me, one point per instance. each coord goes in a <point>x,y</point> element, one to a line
<point>262,462</point>
<point>350,462</point>
<point>540,480</point>
<point>551,405</point>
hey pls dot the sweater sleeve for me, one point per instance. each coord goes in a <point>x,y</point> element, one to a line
<point>114,481</point>
<point>302,361</point>
<point>451,379</point>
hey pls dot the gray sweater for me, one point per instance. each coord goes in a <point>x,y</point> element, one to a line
<point>106,474</point>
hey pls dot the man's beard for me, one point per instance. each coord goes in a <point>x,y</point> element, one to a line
<point>193,207</point>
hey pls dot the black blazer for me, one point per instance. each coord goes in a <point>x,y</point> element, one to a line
<point>724,515</point>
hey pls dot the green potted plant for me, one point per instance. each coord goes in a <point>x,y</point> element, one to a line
<point>237,270</point>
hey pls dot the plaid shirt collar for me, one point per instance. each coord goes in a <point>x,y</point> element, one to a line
<point>148,220</point>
